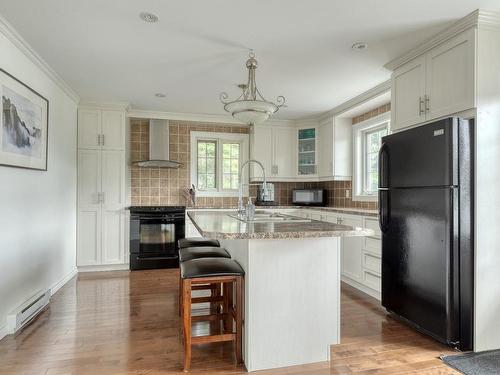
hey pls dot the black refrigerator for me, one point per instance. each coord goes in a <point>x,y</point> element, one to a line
<point>426,218</point>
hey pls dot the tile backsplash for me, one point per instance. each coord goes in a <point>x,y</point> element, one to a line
<point>161,186</point>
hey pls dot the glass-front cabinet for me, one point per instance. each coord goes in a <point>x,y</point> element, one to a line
<point>307,159</point>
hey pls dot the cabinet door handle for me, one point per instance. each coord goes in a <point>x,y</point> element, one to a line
<point>427,103</point>
<point>103,197</point>
<point>420,106</point>
<point>98,139</point>
<point>102,139</point>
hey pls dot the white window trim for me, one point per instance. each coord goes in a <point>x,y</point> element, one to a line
<point>240,138</point>
<point>358,157</point>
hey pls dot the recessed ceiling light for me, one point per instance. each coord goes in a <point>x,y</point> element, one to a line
<point>148,17</point>
<point>160,95</point>
<point>359,46</point>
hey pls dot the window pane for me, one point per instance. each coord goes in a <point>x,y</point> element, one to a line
<point>211,150</point>
<point>226,150</point>
<point>226,181</point>
<point>202,149</point>
<point>372,141</point>
<point>202,165</point>
<point>202,181</point>
<point>211,181</point>
<point>211,166</point>
<point>235,151</point>
<point>226,165</point>
<point>234,166</point>
<point>234,182</point>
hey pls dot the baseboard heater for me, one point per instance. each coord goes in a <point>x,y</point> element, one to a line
<point>21,316</point>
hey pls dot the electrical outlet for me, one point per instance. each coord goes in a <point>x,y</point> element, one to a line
<point>347,193</point>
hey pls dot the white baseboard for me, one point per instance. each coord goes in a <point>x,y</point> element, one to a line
<point>58,285</point>
<point>107,267</point>
<point>367,290</point>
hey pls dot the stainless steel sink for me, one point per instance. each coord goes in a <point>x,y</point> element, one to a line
<point>269,217</point>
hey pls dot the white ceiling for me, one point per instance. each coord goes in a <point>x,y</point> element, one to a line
<point>105,52</point>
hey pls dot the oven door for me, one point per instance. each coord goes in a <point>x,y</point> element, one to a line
<point>156,236</point>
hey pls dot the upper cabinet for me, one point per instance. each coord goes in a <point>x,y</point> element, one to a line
<point>101,129</point>
<point>307,151</point>
<point>272,146</point>
<point>438,83</point>
<point>335,149</point>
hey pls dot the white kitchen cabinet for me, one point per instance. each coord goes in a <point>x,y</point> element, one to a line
<point>113,130</point>
<point>335,149</point>
<point>450,76</point>
<point>438,83</point>
<point>352,251</point>
<point>283,160</point>
<point>408,93</point>
<point>272,146</point>
<point>102,197</point>
<point>307,151</point>
<point>89,129</point>
<point>101,129</point>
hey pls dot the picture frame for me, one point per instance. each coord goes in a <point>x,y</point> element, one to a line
<point>23,125</point>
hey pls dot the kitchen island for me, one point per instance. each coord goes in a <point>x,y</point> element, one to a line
<point>292,283</point>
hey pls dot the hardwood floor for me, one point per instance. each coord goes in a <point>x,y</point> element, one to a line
<point>127,323</point>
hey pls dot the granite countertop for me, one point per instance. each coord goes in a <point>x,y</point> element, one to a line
<point>339,210</point>
<point>219,225</point>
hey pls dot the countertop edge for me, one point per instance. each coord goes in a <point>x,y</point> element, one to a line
<point>280,235</point>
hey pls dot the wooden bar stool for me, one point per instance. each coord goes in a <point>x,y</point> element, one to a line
<point>190,253</point>
<point>208,271</point>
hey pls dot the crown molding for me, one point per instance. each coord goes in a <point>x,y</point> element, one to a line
<point>479,18</point>
<point>366,96</point>
<point>15,38</point>
<point>117,106</point>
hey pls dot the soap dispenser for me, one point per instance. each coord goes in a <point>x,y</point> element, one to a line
<point>250,210</point>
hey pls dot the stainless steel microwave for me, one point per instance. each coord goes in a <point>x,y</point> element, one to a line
<point>309,197</point>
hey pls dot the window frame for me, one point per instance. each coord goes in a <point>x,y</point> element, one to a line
<point>360,131</point>
<point>220,139</point>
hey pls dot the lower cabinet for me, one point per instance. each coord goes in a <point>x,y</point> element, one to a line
<point>352,251</point>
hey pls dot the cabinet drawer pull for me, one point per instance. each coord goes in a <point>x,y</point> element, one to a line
<point>427,103</point>
<point>420,106</point>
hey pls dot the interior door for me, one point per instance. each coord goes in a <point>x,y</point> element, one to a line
<point>450,76</point>
<point>408,90</point>
<point>113,130</point>
<point>89,211</point>
<point>89,129</point>
<point>420,261</point>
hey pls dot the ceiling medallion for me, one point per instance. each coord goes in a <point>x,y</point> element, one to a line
<point>250,107</point>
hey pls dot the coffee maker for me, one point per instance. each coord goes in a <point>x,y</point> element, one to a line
<point>263,199</point>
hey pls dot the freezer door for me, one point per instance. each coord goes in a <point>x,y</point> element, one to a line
<point>423,156</point>
<point>419,264</point>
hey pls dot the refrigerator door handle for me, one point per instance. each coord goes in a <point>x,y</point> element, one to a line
<point>383,166</point>
<point>383,210</point>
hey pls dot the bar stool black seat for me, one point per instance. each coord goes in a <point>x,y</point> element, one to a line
<point>197,242</point>
<point>210,267</point>
<point>190,253</point>
<point>223,271</point>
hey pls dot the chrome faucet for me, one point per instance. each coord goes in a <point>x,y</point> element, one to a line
<point>241,206</point>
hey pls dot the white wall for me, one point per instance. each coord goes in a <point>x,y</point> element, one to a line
<point>38,209</point>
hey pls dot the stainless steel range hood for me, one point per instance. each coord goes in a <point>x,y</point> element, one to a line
<point>158,147</point>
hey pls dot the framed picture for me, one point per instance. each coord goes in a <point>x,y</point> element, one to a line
<point>23,125</point>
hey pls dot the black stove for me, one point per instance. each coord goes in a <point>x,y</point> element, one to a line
<point>154,233</point>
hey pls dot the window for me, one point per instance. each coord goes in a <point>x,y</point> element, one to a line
<point>371,144</point>
<point>367,138</point>
<point>215,162</point>
<point>230,165</point>
<point>206,164</point>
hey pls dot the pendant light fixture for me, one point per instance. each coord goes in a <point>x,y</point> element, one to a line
<point>250,107</point>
